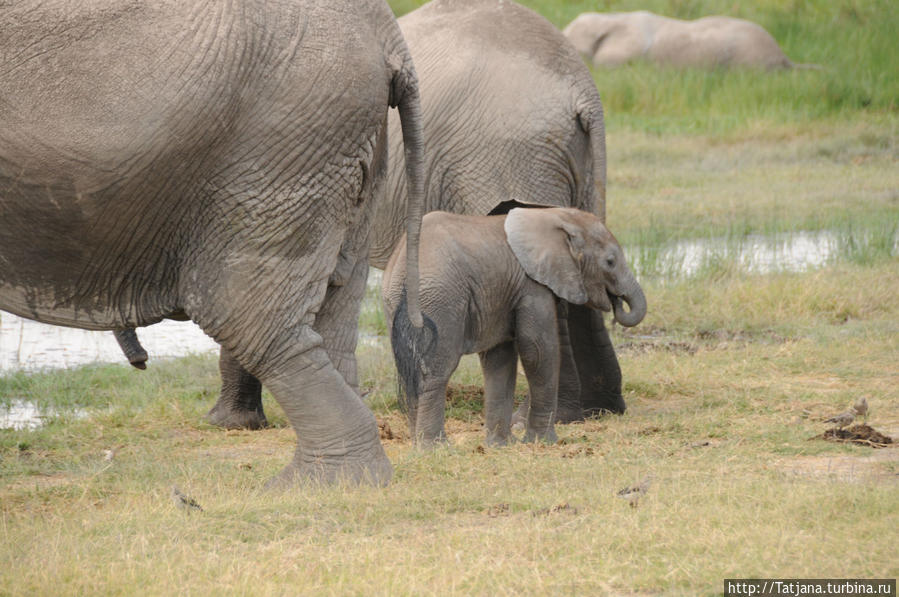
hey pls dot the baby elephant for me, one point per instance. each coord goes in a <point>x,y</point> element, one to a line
<point>489,284</point>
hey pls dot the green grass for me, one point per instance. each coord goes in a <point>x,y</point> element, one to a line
<point>853,40</point>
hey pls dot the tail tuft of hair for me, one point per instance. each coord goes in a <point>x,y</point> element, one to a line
<point>411,348</point>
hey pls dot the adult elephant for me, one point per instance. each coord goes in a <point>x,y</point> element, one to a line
<point>215,161</point>
<point>510,111</point>
<point>613,39</point>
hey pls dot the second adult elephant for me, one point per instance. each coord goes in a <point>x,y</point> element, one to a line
<point>616,38</point>
<point>509,111</point>
<point>512,117</point>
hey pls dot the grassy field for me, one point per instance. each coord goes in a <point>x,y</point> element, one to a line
<point>727,380</point>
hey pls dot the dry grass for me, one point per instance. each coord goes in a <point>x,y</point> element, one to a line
<point>722,420</point>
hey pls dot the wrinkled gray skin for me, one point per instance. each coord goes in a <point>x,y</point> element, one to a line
<point>511,117</point>
<point>613,39</point>
<point>489,285</point>
<point>510,112</point>
<point>217,161</point>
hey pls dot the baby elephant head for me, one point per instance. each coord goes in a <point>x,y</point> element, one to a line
<point>573,253</point>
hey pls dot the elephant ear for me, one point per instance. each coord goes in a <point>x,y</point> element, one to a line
<point>549,247</point>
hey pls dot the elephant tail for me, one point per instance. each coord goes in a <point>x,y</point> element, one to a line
<point>411,348</point>
<point>132,348</point>
<point>405,96</point>
<point>592,121</point>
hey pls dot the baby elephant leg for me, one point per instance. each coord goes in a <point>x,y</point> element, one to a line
<point>499,366</point>
<point>538,346</point>
<point>429,412</point>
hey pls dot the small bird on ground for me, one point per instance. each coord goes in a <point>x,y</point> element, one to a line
<point>633,493</point>
<point>842,419</point>
<point>861,408</point>
<point>185,502</point>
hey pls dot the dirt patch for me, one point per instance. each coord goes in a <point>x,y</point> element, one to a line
<point>465,395</point>
<point>563,508</point>
<point>659,340</point>
<point>643,347</point>
<point>857,434</point>
<point>393,428</point>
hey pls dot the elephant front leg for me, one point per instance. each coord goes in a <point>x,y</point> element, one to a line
<point>569,401</point>
<point>597,365</point>
<point>499,366</point>
<point>538,346</point>
<point>240,402</point>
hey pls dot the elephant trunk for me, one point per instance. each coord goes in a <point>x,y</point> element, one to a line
<point>636,302</point>
<point>413,141</point>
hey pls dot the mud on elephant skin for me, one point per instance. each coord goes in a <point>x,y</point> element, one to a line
<point>491,285</point>
<point>224,183</point>
<point>614,39</point>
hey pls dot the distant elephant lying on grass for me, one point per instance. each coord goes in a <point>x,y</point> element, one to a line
<point>613,39</point>
<point>491,285</point>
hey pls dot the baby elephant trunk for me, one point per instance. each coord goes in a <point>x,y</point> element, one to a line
<point>636,302</point>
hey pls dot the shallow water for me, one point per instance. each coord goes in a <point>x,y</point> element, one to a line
<point>28,345</point>
<point>796,252</point>
<point>31,346</point>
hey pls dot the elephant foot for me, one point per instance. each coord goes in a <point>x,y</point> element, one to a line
<point>498,441</point>
<point>614,406</point>
<point>430,443</point>
<point>375,471</point>
<point>569,415</point>
<point>548,437</point>
<point>229,417</point>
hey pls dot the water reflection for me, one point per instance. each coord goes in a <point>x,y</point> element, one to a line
<point>21,414</point>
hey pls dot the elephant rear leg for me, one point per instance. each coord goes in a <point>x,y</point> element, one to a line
<point>337,436</point>
<point>427,409</point>
<point>271,334</point>
<point>429,416</point>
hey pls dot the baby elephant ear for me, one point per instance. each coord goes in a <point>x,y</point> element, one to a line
<point>548,246</point>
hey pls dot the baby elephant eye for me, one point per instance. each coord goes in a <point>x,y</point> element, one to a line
<point>610,261</point>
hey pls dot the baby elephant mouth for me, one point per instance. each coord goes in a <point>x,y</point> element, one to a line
<point>604,302</point>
